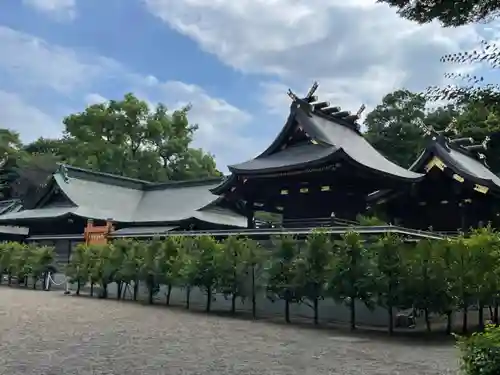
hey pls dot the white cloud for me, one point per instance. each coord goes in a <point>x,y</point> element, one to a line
<point>35,63</point>
<point>358,50</point>
<point>94,98</point>
<point>25,118</point>
<point>60,9</point>
<point>30,63</point>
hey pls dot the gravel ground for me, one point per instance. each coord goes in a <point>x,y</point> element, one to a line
<point>46,333</point>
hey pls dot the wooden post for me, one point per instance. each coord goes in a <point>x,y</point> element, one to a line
<point>250,215</point>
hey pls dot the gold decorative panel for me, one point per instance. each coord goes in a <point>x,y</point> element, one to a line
<point>481,188</point>
<point>435,162</point>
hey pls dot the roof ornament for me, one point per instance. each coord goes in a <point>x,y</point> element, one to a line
<point>360,110</point>
<point>482,157</point>
<point>482,146</point>
<point>485,142</point>
<point>63,171</point>
<point>292,95</point>
<point>452,127</point>
<point>426,129</point>
<point>462,140</point>
<point>437,136</point>
<point>310,94</point>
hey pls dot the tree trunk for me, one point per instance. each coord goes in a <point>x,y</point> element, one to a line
<point>316,310</point>
<point>78,286</point>
<point>150,293</point>
<point>188,297</point>
<point>104,294</point>
<point>287,311</point>
<point>390,311</point>
<point>136,290</point>
<point>352,308</point>
<point>427,319</point>
<point>254,297</point>
<point>495,313</point>
<point>169,293</point>
<point>449,322</point>
<point>119,286</point>
<point>480,317</point>
<point>34,283</point>
<point>465,319</point>
<point>233,303</point>
<point>92,289</point>
<point>209,299</point>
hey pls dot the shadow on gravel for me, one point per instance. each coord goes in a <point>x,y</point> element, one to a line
<point>407,337</point>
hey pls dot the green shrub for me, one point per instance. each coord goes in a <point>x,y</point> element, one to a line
<point>481,352</point>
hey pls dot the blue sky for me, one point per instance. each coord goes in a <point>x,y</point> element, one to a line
<point>232,60</point>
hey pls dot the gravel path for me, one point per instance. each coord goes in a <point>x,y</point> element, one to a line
<point>46,333</point>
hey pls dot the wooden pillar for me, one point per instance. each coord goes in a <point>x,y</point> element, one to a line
<point>250,214</point>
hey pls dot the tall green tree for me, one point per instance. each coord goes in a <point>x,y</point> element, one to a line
<point>42,258</point>
<point>484,245</point>
<point>352,274</point>
<point>448,300</point>
<point>426,278</point>
<point>10,151</point>
<point>390,264</point>
<point>78,268</point>
<point>187,269</point>
<point>281,272</point>
<point>150,269</point>
<point>234,269</point>
<point>448,13</point>
<point>313,268</point>
<point>464,273</point>
<point>129,271</point>
<point>392,127</point>
<point>169,263</point>
<point>205,266</point>
<point>255,257</point>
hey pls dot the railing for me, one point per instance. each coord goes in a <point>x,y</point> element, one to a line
<point>258,232</point>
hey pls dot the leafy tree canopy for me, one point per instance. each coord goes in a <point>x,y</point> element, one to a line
<point>125,137</point>
<point>450,13</point>
<point>393,125</point>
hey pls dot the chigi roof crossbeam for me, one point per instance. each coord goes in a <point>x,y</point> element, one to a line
<point>323,108</point>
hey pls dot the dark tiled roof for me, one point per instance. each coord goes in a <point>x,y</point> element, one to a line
<point>102,196</point>
<point>461,161</point>
<point>334,138</point>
